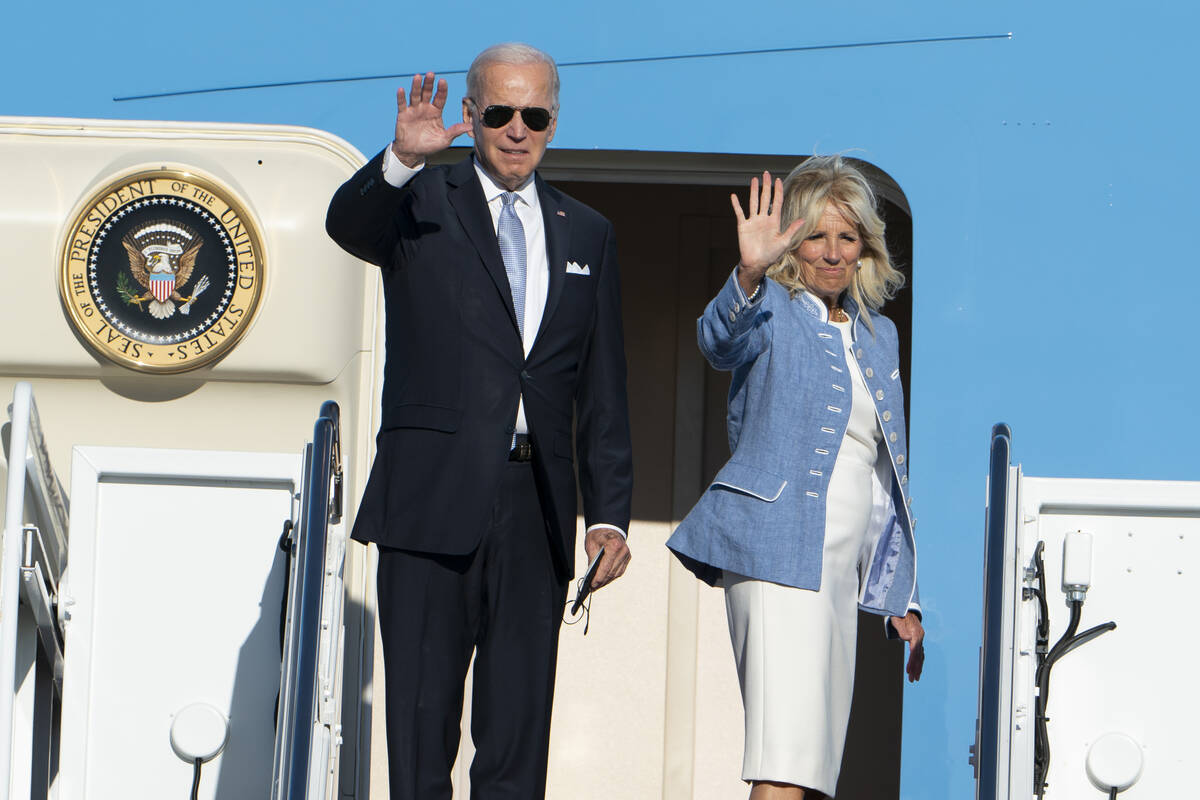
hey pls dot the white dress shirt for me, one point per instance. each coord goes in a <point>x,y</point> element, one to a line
<point>529,211</point>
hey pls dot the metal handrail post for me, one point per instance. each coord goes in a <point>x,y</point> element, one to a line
<point>10,573</point>
<point>310,549</point>
<point>987,747</point>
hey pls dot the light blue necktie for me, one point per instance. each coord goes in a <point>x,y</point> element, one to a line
<point>511,233</point>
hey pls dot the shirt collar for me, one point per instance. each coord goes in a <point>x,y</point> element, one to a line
<point>816,306</point>
<point>492,190</point>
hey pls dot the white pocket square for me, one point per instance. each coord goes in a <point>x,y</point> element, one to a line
<point>575,269</point>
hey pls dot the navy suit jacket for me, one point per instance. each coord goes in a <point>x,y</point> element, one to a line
<point>456,366</point>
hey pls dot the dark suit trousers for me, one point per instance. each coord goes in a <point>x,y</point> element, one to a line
<point>505,602</point>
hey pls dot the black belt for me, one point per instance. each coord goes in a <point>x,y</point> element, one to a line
<point>522,449</point>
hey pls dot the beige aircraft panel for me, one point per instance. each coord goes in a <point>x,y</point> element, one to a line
<point>314,337</point>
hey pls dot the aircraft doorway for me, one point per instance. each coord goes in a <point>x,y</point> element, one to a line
<point>674,727</point>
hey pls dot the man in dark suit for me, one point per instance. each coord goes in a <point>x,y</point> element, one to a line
<point>503,328</point>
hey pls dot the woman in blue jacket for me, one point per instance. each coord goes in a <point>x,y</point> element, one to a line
<point>808,520</point>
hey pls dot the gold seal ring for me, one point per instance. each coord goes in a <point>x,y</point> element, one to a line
<point>162,271</point>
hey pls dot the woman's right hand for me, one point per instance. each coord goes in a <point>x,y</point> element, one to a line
<point>760,241</point>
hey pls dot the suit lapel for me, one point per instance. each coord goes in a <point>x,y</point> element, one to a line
<point>558,236</point>
<point>466,197</point>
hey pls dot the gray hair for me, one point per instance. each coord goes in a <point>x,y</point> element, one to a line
<point>516,54</point>
<point>822,180</point>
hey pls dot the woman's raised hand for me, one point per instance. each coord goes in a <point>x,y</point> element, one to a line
<point>760,241</point>
<point>420,131</point>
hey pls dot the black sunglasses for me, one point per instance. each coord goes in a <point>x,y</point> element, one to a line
<point>535,118</point>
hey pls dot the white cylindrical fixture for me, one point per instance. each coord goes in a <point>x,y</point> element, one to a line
<point>198,731</point>
<point>1114,761</point>
<point>1077,563</point>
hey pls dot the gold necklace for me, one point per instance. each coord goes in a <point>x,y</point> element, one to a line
<point>838,315</point>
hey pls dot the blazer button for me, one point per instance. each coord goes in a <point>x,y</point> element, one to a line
<point>887,416</point>
<point>859,353</point>
<point>736,308</point>
<point>524,374</point>
<point>900,458</point>
<point>870,372</point>
<point>732,316</point>
<point>903,479</point>
<point>879,394</point>
<point>892,436</point>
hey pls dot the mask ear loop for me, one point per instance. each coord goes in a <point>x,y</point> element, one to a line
<point>586,616</point>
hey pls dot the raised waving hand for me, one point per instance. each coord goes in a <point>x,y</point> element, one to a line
<point>420,131</point>
<point>760,241</point>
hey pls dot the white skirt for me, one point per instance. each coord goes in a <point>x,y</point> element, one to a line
<point>795,651</point>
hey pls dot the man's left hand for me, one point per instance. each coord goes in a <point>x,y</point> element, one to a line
<point>909,629</point>
<point>616,554</point>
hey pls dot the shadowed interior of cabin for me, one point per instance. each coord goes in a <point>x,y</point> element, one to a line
<point>677,244</point>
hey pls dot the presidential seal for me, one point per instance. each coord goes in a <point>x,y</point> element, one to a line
<point>162,271</point>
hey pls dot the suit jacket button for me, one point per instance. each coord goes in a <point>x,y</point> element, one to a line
<point>524,374</point>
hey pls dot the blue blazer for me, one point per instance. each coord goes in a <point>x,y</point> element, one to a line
<point>764,514</point>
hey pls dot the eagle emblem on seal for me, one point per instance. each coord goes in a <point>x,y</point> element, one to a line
<point>162,254</point>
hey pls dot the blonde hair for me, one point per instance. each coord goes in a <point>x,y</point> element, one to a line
<point>809,188</point>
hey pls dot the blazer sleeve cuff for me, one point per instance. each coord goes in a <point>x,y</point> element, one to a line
<point>734,309</point>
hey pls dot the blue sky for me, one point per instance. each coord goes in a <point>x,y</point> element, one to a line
<point>1051,178</point>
